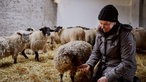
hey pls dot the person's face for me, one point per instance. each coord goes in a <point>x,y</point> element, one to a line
<point>106,25</point>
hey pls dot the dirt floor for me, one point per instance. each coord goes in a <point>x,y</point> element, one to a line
<point>29,70</point>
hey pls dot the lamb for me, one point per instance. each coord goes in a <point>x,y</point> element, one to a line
<point>38,40</point>
<point>14,44</point>
<point>71,55</point>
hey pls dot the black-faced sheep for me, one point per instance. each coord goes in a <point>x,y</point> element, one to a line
<point>71,55</point>
<point>14,44</point>
<point>38,40</point>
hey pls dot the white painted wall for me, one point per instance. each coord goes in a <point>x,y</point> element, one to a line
<point>143,14</point>
<point>85,12</point>
<point>21,14</point>
<point>135,13</point>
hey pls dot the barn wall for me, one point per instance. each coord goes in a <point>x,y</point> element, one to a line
<point>135,13</point>
<point>143,13</point>
<point>85,12</point>
<point>21,14</point>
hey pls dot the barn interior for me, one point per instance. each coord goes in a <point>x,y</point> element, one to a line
<point>22,14</point>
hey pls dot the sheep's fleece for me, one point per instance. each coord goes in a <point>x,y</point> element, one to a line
<point>71,55</point>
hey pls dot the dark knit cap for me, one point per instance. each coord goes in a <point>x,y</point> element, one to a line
<point>108,13</point>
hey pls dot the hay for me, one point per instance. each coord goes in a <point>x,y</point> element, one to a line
<point>29,70</point>
<point>141,67</point>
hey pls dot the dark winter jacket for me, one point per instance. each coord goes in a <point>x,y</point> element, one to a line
<point>116,50</point>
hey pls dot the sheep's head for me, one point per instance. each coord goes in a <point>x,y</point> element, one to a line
<point>58,28</point>
<point>46,31</point>
<point>24,36</point>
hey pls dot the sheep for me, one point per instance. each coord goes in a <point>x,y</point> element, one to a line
<point>50,41</point>
<point>38,40</point>
<point>90,36</point>
<point>12,45</point>
<point>28,51</point>
<point>55,37</point>
<point>71,55</point>
<point>66,35</point>
<point>140,36</point>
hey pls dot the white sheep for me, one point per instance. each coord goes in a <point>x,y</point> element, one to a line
<point>14,44</point>
<point>71,34</point>
<point>71,55</point>
<point>140,36</point>
<point>38,40</point>
<point>90,35</point>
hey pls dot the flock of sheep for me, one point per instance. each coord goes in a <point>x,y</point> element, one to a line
<point>21,40</point>
<point>76,45</point>
<point>38,39</point>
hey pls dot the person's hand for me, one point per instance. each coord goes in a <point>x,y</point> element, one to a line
<point>84,67</point>
<point>103,79</point>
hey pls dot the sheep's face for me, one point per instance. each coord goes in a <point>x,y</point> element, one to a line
<point>58,28</point>
<point>46,31</point>
<point>24,37</point>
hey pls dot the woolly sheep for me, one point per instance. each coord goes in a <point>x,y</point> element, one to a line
<point>71,55</point>
<point>90,36</point>
<point>53,39</point>
<point>140,36</point>
<point>14,44</point>
<point>28,51</point>
<point>67,35</point>
<point>38,40</point>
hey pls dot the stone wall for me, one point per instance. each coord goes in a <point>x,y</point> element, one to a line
<point>21,14</point>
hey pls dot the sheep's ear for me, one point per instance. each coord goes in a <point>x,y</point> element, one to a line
<point>19,33</point>
<point>30,33</point>
<point>41,29</point>
<point>29,29</point>
<point>52,30</point>
<point>58,29</point>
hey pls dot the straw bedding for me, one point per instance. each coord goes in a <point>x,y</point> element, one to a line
<point>29,70</point>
